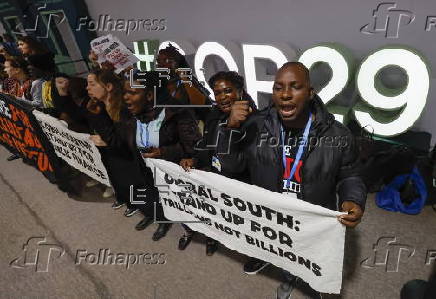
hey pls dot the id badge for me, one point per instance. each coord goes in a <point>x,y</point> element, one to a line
<point>216,163</point>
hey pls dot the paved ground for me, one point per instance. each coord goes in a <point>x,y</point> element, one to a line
<point>31,207</point>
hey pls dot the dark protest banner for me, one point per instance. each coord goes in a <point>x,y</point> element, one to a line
<point>304,239</point>
<point>21,134</point>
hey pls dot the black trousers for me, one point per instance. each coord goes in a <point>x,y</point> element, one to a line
<point>133,185</point>
<point>122,174</point>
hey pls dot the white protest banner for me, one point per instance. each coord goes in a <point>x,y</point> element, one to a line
<point>117,54</point>
<point>304,239</point>
<point>75,148</point>
<point>100,43</point>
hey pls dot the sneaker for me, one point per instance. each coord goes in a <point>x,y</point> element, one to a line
<point>13,157</point>
<point>116,205</point>
<point>130,212</point>
<point>91,183</point>
<point>253,266</point>
<point>109,192</point>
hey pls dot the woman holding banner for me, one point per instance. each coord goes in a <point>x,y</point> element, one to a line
<point>106,87</point>
<point>228,87</point>
<point>148,132</point>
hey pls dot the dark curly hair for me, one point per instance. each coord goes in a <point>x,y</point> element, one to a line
<point>237,80</point>
<point>172,51</point>
<point>35,45</point>
<point>18,62</point>
<point>231,76</point>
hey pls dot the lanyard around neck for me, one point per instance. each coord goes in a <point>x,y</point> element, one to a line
<point>173,94</point>
<point>300,149</point>
<point>141,134</point>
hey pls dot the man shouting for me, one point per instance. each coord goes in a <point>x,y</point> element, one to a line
<point>295,146</point>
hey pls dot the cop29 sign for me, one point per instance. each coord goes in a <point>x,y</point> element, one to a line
<point>380,110</point>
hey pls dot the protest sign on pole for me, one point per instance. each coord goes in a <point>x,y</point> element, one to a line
<point>74,148</point>
<point>302,238</point>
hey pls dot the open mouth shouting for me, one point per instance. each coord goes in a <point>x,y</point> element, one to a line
<point>288,110</point>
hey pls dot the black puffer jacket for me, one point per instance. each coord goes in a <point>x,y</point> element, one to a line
<point>206,148</point>
<point>330,160</point>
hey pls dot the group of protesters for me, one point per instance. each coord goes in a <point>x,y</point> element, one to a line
<point>221,135</point>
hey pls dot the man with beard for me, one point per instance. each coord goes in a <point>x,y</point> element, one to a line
<point>316,173</point>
